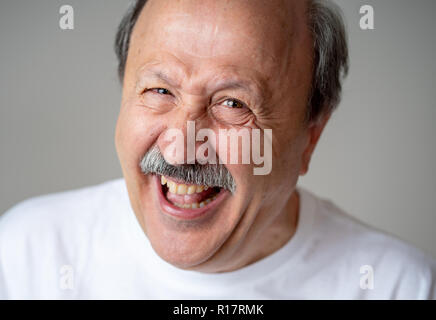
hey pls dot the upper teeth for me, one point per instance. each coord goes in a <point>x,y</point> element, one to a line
<point>182,188</point>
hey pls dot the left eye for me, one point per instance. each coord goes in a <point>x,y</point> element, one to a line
<point>232,103</point>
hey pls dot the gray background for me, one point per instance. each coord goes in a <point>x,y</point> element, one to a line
<point>59,99</point>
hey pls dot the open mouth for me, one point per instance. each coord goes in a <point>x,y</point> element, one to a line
<point>187,201</point>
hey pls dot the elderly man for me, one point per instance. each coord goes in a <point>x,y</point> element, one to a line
<point>178,227</point>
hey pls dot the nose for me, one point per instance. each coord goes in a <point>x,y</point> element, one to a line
<point>178,143</point>
<point>172,146</point>
<point>194,108</point>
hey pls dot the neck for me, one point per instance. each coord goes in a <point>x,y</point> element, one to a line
<point>268,236</point>
<point>279,232</point>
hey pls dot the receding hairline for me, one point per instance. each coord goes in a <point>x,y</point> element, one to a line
<point>289,18</point>
<point>286,19</point>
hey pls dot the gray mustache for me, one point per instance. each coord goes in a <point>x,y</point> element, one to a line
<point>212,175</point>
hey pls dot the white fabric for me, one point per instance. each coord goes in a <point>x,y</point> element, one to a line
<point>87,243</point>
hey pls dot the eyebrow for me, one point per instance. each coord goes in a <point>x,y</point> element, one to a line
<point>237,83</point>
<point>162,76</point>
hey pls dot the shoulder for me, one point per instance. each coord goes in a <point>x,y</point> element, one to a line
<point>59,222</point>
<point>400,269</point>
<point>41,235</point>
<point>57,209</point>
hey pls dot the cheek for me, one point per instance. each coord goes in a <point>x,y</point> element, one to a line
<point>232,117</point>
<point>287,155</point>
<point>136,132</point>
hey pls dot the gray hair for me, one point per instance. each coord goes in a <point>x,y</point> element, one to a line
<point>212,175</point>
<point>330,57</point>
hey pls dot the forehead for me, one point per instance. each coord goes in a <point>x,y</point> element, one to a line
<point>251,35</point>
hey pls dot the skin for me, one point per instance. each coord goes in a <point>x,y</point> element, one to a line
<point>199,44</point>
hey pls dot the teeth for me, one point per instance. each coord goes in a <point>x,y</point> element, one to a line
<point>195,205</point>
<point>182,188</point>
<point>163,180</point>
<point>191,189</point>
<point>172,186</point>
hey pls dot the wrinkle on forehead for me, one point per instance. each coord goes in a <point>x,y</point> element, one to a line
<point>205,34</point>
<point>264,28</point>
<point>216,47</point>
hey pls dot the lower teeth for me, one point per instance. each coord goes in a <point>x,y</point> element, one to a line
<point>195,205</point>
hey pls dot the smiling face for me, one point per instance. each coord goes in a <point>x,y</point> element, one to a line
<point>222,65</point>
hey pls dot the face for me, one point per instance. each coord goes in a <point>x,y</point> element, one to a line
<point>220,65</point>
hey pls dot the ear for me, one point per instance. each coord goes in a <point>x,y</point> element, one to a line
<point>314,131</point>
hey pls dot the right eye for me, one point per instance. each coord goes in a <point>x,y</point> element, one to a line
<point>160,91</point>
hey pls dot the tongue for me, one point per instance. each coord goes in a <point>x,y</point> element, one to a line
<point>189,198</point>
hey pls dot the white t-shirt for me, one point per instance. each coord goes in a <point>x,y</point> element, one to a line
<point>87,244</point>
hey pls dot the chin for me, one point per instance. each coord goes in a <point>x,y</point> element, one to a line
<point>186,224</point>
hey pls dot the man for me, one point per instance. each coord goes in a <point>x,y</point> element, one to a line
<point>177,227</point>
